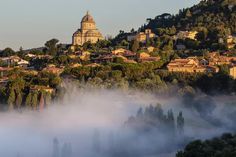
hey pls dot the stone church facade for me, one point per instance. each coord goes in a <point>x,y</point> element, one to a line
<point>87,32</point>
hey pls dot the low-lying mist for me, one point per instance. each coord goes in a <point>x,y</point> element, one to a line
<point>91,122</point>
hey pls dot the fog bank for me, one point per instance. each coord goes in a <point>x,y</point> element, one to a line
<point>91,123</point>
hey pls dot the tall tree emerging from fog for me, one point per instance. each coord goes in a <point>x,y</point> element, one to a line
<point>41,102</point>
<point>56,148</point>
<point>171,122</point>
<point>180,123</point>
<point>35,100</point>
<point>11,100</point>
<point>66,150</point>
<point>69,150</point>
<point>47,98</point>
<point>96,142</point>
<point>28,101</point>
<point>19,100</point>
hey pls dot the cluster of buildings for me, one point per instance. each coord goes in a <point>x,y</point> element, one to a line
<point>125,55</point>
<point>9,62</point>
<point>14,60</point>
<point>209,64</point>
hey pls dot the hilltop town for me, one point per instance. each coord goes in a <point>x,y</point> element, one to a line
<point>162,53</point>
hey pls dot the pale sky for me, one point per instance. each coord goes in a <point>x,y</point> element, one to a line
<point>30,23</point>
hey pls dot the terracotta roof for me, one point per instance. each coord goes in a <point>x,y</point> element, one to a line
<point>5,69</point>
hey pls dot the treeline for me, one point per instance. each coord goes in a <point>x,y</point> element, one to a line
<point>211,83</point>
<point>116,75</point>
<point>207,13</point>
<point>223,146</point>
<point>153,118</point>
<point>64,150</point>
<point>149,77</point>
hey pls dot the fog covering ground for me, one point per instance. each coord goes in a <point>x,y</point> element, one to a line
<point>90,123</point>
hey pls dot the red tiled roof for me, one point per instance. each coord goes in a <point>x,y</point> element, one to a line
<point>5,69</point>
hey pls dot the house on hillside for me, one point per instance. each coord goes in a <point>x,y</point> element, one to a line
<point>145,57</point>
<point>125,53</point>
<point>107,58</point>
<point>142,36</point>
<point>191,65</point>
<point>217,59</point>
<point>231,42</point>
<point>187,34</point>
<point>31,55</point>
<point>85,55</point>
<point>53,69</point>
<point>23,63</point>
<point>150,49</point>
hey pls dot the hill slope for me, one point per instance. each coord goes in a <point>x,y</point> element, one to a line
<point>210,14</point>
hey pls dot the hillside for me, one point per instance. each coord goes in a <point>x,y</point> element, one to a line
<point>210,14</point>
<point>214,21</point>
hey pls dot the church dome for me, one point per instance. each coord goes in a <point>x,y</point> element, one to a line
<point>87,18</point>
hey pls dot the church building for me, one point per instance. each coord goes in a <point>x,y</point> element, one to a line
<point>87,32</point>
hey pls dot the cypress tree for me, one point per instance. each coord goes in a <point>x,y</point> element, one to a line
<point>41,102</point>
<point>35,100</point>
<point>11,99</point>
<point>180,123</point>
<point>28,101</point>
<point>19,99</point>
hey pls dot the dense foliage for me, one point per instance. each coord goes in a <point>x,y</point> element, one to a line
<point>223,146</point>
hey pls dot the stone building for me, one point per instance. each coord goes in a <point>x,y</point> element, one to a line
<point>142,36</point>
<point>87,32</point>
